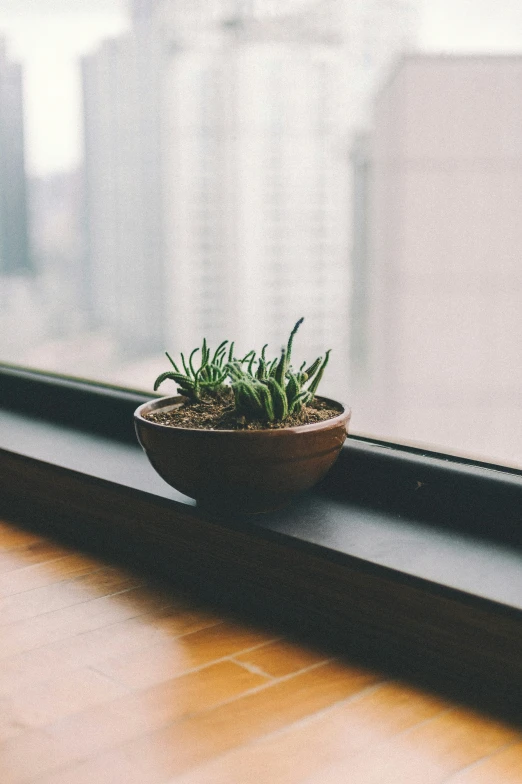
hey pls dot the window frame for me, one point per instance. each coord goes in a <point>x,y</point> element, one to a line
<point>407,624</point>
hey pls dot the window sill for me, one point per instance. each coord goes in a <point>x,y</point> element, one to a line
<point>409,561</point>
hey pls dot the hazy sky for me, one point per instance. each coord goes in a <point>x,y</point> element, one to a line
<point>48,36</point>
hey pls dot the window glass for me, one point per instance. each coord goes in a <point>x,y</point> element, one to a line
<point>174,169</point>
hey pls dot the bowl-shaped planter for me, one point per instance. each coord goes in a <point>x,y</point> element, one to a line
<point>241,470</point>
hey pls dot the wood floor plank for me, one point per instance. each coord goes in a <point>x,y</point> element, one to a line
<point>90,638</point>
<point>142,712</point>
<point>184,745</point>
<point>27,755</point>
<point>45,702</point>
<point>37,552</point>
<point>335,735</point>
<point>280,658</point>
<point>168,659</point>
<point>12,537</point>
<point>48,598</point>
<point>62,624</point>
<point>427,754</point>
<point>106,679</point>
<point>122,719</point>
<point>502,767</point>
<point>55,571</point>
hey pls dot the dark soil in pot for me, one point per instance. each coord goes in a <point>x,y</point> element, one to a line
<point>219,414</point>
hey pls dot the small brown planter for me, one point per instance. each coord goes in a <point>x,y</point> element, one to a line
<point>241,470</point>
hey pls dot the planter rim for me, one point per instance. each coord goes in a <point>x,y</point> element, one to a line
<point>343,416</point>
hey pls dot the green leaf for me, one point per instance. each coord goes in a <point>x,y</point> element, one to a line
<point>273,367</point>
<point>293,388</point>
<point>247,401</point>
<point>279,400</point>
<point>217,380</point>
<point>291,338</point>
<point>191,366</point>
<point>172,362</point>
<point>234,370</point>
<point>221,350</point>
<point>237,389</point>
<point>185,368</point>
<point>261,373</point>
<point>266,401</point>
<point>314,367</point>
<point>208,377</point>
<point>163,377</point>
<point>280,373</point>
<point>302,399</point>
<point>179,377</point>
<point>317,380</point>
<point>254,397</point>
<point>204,353</point>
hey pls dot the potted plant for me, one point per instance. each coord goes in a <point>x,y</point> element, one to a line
<point>245,434</point>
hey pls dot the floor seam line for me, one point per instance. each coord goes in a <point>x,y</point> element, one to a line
<point>477,763</point>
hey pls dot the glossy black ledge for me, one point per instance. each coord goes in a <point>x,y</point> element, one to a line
<point>406,559</point>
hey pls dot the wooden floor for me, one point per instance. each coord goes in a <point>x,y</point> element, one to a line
<point>107,680</point>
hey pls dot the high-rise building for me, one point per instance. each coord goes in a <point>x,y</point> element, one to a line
<point>14,245</point>
<point>258,230</point>
<point>216,169</point>
<point>122,91</point>
<point>257,199</point>
<point>57,225</point>
<point>438,273</point>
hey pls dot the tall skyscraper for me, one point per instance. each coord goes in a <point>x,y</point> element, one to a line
<point>438,257</point>
<point>257,199</point>
<point>257,230</point>
<point>14,245</point>
<point>216,166</point>
<point>122,91</point>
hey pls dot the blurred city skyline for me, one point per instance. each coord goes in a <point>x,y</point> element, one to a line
<point>50,41</point>
<point>222,170</point>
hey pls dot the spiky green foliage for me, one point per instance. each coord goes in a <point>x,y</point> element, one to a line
<point>207,380</point>
<point>273,390</point>
<point>266,390</point>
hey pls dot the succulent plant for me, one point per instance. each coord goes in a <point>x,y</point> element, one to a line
<point>273,390</point>
<point>207,380</point>
<point>266,390</point>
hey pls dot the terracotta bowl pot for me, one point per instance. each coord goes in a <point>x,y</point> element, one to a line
<point>241,470</point>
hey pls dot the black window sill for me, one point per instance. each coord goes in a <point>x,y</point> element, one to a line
<point>407,560</point>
